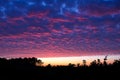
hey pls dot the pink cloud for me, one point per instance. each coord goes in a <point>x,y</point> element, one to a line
<point>91,27</point>
<point>118,39</point>
<point>39,15</point>
<point>74,17</point>
<point>109,29</point>
<point>26,35</point>
<point>66,30</point>
<point>96,10</point>
<point>59,20</point>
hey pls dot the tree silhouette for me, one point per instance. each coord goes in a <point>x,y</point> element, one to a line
<point>78,65</point>
<point>105,59</point>
<point>93,63</point>
<point>26,68</point>
<point>71,65</point>
<point>84,62</point>
<point>99,62</point>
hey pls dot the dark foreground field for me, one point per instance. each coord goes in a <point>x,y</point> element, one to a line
<point>26,69</point>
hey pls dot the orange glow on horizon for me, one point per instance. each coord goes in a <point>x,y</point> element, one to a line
<point>76,60</point>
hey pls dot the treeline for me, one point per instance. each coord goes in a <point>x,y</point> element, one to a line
<point>20,62</point>
<point>25,68</point>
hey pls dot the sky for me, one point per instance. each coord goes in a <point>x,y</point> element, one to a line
<point>78,60</point>
<point>59,28</point>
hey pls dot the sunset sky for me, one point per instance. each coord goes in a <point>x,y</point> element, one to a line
<point>59,28</point>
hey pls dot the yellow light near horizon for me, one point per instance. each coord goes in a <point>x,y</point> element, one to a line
<point>76,60</point>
